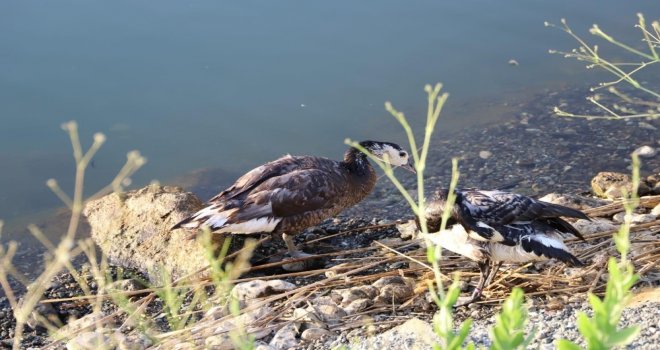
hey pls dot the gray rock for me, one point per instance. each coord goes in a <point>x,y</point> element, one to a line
<point>82,325</point>
<point>244,321</point>
<point>90,341</point>
<point>133,230</point>
<point>636,218</point>
<point>394,289</point>
<point>133,341</point>
<point>346,296</point>
<point>358,305</point>
<point>408,230</point>
<point>248,291</point>
<point>413,334</point>
<point>573,201</point>
<point>330,313</point>
<point>284,338</point>
<point>218,342</point>
<point>596,225</point>
<point>313,334</point>
<point>656,211</point>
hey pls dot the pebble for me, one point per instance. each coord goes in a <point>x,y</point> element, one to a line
<point>312,334</point>
<point>645,152</point>
<point>647,126</point>
<point>285,338</point>
<point>485,154</point>
<point>88,341</point>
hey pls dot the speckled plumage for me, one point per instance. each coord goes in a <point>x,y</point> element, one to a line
<point>497,226</point>
<point>516,227</point>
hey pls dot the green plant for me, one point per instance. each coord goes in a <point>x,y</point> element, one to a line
<point>508,332</point>
<point>601,331</point>
<point>60,255</point>
<point>443,321</point>
<point>625,72</point>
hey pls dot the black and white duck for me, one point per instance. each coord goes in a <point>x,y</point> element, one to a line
<point>494,227</point>
<point>289,194</point>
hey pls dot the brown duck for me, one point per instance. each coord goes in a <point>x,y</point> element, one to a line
<point>289,194</point>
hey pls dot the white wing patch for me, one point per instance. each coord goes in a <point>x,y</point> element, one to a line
<point>554,241</point>
<point>264,224</point>
<point>516,254</point>
<point>512,254</point>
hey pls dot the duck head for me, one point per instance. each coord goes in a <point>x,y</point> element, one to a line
<point>391,153</point>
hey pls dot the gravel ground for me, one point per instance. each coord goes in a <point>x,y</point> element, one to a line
<point>561,324</point>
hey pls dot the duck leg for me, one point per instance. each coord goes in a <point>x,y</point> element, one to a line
<point>294,253</point>
<point>493,272</point>
<point>487,273</point>
<point>484,273</point>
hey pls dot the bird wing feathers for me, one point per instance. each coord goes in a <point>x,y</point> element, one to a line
<point>256,176</point>
<point>495,215</point>
<point>262,198</point>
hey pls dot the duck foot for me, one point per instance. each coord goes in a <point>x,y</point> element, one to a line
<point>476,296</point>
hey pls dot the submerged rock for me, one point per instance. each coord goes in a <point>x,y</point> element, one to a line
<point>133,230</point>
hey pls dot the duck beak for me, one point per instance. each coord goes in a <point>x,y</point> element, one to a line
<point>410,167</point>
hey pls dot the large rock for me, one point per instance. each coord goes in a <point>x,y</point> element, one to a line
<point>612,185</point>
<point>133,230</point>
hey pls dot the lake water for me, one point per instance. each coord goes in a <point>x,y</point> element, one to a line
<point>194,84</point>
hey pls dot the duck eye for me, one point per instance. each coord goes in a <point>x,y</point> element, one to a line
<point>402,154</point>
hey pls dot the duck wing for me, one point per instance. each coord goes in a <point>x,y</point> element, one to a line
<point>258,175</point>
<point>491,214</point>
<point>270,201</point>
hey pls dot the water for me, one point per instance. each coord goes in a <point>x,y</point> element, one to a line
<point>196,84</point>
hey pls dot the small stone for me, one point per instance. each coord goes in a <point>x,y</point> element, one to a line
<point>647,126</point>
<point>330,313</point>
<point>394,289</point>
<point>573,201</point>
<point>312,334</point>
<point>248,291</point>
<point>218,342</point>
<point>357,306</point>
<point>485,154</point>
<point>89,341</point>
<point>408,230</point>
<point>216,313</point>
<point>636,218</point>
<point>645,152</point>
<point>285,338</point>
<point>594,226</point>
<point>656,211</point>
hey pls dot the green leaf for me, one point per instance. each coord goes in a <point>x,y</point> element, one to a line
<point>587,329</point>
<point>623,336</point>
<point>563,344</point>
<point>596,304</point>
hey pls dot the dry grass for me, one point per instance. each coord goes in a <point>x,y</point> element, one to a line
<point>360,266</point>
